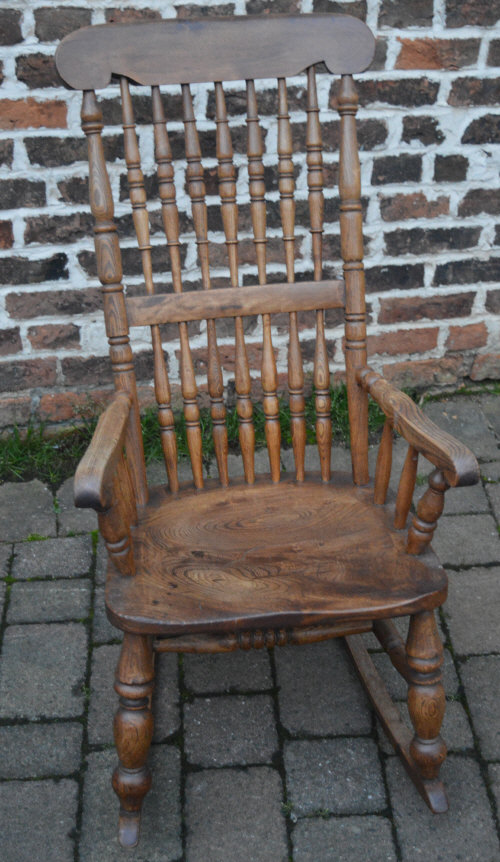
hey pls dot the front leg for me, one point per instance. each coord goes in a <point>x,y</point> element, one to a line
<point>133,730</point>
<point>426,702</point>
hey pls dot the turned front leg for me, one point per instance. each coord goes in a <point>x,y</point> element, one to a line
<point>133,730</point>
<point>426,698</point>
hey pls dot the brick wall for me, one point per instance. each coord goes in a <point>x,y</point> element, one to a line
<point>429,129</point>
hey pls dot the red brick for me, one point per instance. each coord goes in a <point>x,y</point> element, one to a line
<point>403,341</point>
<point>486,367</point>
<point>414,205</point>
<point>493,301</point>
<point>399,309</point>
<point>30,114</point>
<point>128,16</point>
<point>14,410</point>
<point>10,341</point>
<point>38,70</point>
<point>467,337</point>
<point>53,23</point>
<point>38,303</point>
<point>466,13</point>
<point>54,336</point>
<point>27,374</point>
<point>62,406</point>
<point>426,373</point>
<point>475,91</point>
<point>6,235</point>
<point>394,13</point>
<point>191,11</point>
<point>437,53</point>
<point>480,201</point>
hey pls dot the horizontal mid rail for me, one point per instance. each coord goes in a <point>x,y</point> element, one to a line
<point>234,302</point>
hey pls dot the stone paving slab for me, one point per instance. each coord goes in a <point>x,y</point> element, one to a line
<point>467,540</point>
<point>161,821</point>
<point>344,839</point>
<point>235,814</point>
<point>71,519</point>
<point>103,699</point>
<point>37,820</point>
<point>102,630</point>
<point>489,406</point>
<point>238,671</point>
<point>339,776</point>
<point>464,419</point>
<point>225,731</point>
<point>54,558</point>
<point>166,708</point>
<point>319,691</point>
<point>38,750</point>
<point>26,509</point>
<point>481,678</point>
<point>466,832</point>
<point>472,610</point>
<point>493,492</point>
<point>49,601</point>
<point>42,671</point>
<point>5,555</point>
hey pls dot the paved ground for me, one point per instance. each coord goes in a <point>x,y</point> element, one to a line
<point>262,756</point>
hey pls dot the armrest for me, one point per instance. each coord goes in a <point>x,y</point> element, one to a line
<point>94,475</point>
<point>456,461</point>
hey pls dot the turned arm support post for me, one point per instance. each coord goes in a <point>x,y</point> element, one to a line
<point>455,464</point>
<point>103,482</point>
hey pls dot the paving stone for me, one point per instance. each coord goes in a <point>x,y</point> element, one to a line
<point>343,839</point>
<point>472,610</point>
<point>455,730</point>
<point>237,671</point>
<point>491,471</point>
<point>156,473</point>
<point>54,558</point>
<point>340,459</point>
<point>341,776</point>
<point>494,779</point>
<point>26,509</point>
<point>229,730</point>
<point>396,685</point>
<point>481,678</point>
<point>160,839</point>
<point>101,563</point>
<point>42,671</point>
<point>166,697</point>
<point>5,555</point>
<point>3,590</point>
<point>464,419</point>
<point>103,698</point>
<point>37,819</point>
<point>35,750</point>
<point>71,519</point>
<point>493,492</point>
<point>319,692</point>
<point>235,464</point>
<point>466,832</point>
<point>467,540</point>
<point>235,814</point>
<point>490,406</point>
<point>102,630</point>
<point>49,601</point>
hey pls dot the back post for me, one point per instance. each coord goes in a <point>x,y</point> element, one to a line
<point>109,268</point>
<point>351,243</point>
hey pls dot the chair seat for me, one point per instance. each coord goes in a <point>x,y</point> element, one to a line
<point>269,555</point>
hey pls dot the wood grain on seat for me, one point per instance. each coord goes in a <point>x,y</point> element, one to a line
<point>233,558</point>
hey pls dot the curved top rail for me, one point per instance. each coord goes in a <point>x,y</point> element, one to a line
<point>213,49</point>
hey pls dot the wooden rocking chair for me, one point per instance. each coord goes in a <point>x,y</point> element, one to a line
<point>217,565</point>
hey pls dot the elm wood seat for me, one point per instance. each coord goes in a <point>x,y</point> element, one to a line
<point>265,560</point>
<point>236,559</point>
